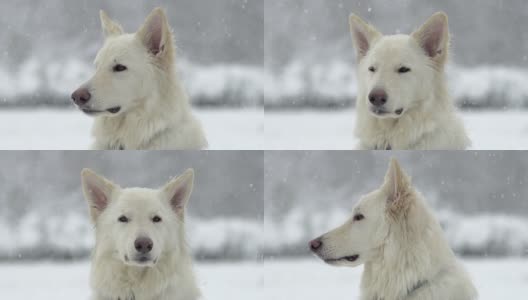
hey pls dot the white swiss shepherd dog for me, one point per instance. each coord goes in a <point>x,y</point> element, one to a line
<point>135,94</point>
<point>140,249</point>
<point>402,98</point>
<point>395,236</point>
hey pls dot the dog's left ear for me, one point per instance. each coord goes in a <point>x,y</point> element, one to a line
<point>397,187</point>
<point>155,33</point>
<point>433,37</point>
<point>178,191</point>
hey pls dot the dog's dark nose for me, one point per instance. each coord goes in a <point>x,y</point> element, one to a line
<point>315,244</point>
<point>81,96</point>
<point>378,97</point>
<point>143,245</point>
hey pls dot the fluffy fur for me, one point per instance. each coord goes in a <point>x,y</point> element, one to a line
<point>119,269</point>
<point>401,245</point>
<point>418,113</point>
<point>143,106</point>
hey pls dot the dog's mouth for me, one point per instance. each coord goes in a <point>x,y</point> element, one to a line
<point>141,260</point>
<point>383,113</point>
<point>350,258</point>
<point>89,111</point>
<point>114,110</point>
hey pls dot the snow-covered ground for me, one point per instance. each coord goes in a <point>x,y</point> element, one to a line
<point>310,279</point>
<point>241,129</point>
<point>307,279</point>
<point>69,129</point>
<point>333,130</point>
<point>58,281</point>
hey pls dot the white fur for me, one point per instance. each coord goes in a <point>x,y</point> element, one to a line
<point>155,111</point>
<point>116,273</point>
<point>401,245</point>
<point>429,119</point>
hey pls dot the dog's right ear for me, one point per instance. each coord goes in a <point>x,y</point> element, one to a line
<point>398,188</point>
<point>97,191</point>
<point>109,26</point>
<point>363,35</point>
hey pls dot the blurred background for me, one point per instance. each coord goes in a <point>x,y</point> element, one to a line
<point>44,216</point>
<point>310,53</point>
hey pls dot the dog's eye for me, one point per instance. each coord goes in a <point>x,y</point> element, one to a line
<point>403,70</point>
<point>156,219</point>
<point>372,69</point>
<point>119,68</point>
<point>359,217</point>
<point>123,219</point>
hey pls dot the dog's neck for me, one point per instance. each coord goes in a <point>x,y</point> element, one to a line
<point>409,259</point>
<point>172,274</point>
<point>158,113</point>
<point>393,133</point>
<point>402,133</point>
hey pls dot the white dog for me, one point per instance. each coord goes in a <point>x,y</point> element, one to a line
<point>135,94</point>
<point>402,99</point>
<point>400,243</point>
<point>140,251</point>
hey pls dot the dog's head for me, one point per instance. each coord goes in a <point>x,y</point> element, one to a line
<point>362,237</point>
<point>138,226</point>
<point>397,71</point>
<point>126,66</point>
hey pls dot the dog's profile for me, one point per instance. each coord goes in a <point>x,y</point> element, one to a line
<point>395,236</point>
<point>402,98</point>
<point>135,94</point>
<point>140,250</point>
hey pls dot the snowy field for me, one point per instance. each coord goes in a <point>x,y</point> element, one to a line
<point>306,279</point>
<point>47,281</point>
<point>69,129</point>
<point>333,130</point>
<point>234,129</point>
<point>310,279</point>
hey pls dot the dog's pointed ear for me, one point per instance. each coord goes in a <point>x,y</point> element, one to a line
<point>363,35</point>
<point>433,37</point>
<point>397,186</point>
<point>155,33</point>
<point>110,27</point>
<point>97,191</point>
<point>178,191</point>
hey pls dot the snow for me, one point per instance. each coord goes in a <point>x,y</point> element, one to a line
<point>486,234</point>
<point>310,279</point>
<point>333,130</point>
<point>307,279</point>
<point>237,85</point>
<point>245,129</point>
<point>55,129</point>
<point>57,281</point>
<point>232,237</point>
